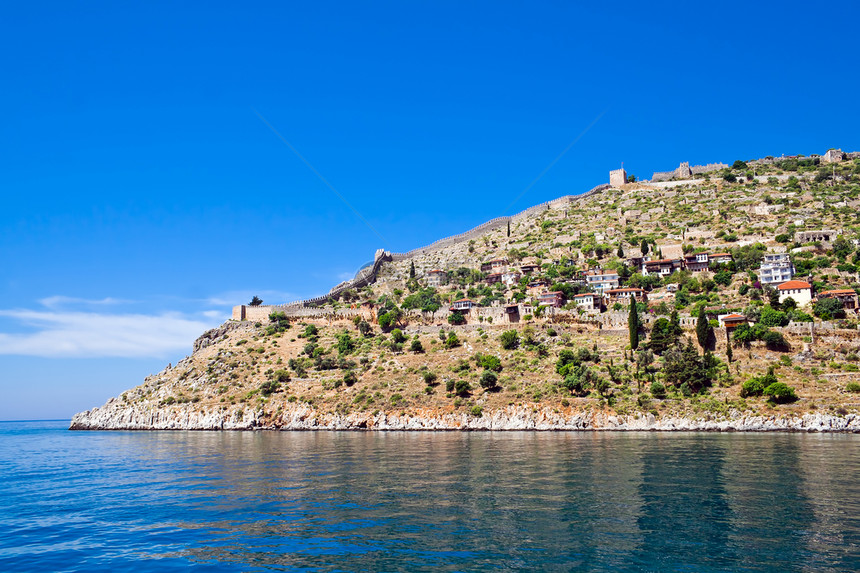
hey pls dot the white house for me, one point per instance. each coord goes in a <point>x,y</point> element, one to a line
<point>800,291</point>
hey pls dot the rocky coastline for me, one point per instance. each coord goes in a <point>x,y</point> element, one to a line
<point>118,416</point>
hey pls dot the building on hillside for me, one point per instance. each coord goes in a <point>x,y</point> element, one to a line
<point>587,301</point>
<point>600,280</point>
<point>848,297</point>
<point>553,298</point>
<point>436,278</point>
<point>534,288</point>
<point>696,262</point>
<point>833,156</point>
<point>528,269</point>
<point>494,278</point>
<point>800,291</point>
<point>623,295</point>
<point>512,311</point>
<point>730,321</point>
<point>510,278</point>
<point>618,177</point>
<point>775,268</point>
<point>719,259</point>
<point>663,267</point>
<point>462,305</point>
<point>494,266</point>
<point>823,236</point>
<point>635,261</point>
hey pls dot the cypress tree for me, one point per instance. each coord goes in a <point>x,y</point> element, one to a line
<point>620,252</point>
<point>729,350</point>
<point>644,247</point>
<point>412,270</point>
<point>703,329</point>
<point>509,228</point>
<point>633,324</point>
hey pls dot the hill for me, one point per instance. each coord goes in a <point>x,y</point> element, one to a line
<point>524,322</point>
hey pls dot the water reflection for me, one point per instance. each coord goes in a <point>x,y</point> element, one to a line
<point>436,501</point>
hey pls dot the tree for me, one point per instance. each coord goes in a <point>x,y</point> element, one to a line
<point>509,339</point>
<point>684,367</point>
<point>509,228</point>
<point>828,308</point>
<point>663,336</point>
<point>703,328</point>
<point>738,164</point>
<point>729,351</point>
<point>364,328</point>
<point>723,278</point>
<point>398,336</point>
<point>620,252</point>
<point>771,317</point>
<point>780,393</point>
<point>255,301</point>
<point>412,270</point>
<point>633,324</point>
<point>416,346</point>
<point>452,341</point>
<point>488,379</point>
<point>456,318</point>
<point>644,247</point>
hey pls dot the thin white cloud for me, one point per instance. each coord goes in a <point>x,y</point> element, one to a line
<point>60,300</point>
<point>89,334</point>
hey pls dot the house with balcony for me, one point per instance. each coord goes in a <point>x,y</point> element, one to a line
<point>696,262</point>
<point>510,278</point>
<point>719,258</point>
<point>775,268</point>
<point>529,268</point>
<point>588,301</point>
<point>493,278</point>
<point>553,298</point>
<point>663,267</point>
<point>600,280</point>
<point>463,305</point>
<point>494,266</point>
<point>623,295</point>
<point>436,278</point>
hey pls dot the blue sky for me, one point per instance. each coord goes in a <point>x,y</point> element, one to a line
<point>142,196</point>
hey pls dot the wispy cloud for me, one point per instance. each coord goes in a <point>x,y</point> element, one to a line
<point>58,301</point>
<point>58,334</point>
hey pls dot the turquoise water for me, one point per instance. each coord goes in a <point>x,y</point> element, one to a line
<point>331,501</point>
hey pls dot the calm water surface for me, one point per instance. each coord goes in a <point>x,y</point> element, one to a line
<point>330,501</point>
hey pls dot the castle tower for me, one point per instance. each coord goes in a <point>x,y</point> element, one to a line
<point>684,171</point>
<point>618,177</point>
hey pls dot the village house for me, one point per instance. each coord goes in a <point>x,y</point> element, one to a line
<point>635,261</point>
<point>775,268</point>
<point>696,262</point>
<point>534,288</point>
<point>587,301</point>
<point>833,156</point>
<point>463,305</point>
<point>622,295</point>
<point>800,291</point>
<point>436,278</point>
<point>600,280</point>
<point>553,298</point>
<point>494,266</point>
<point>848,297</point>
<point>719,259</point>
<point>494,278</point>
<point>730,321</point>
<point>822,236</point>
<point>663,267</point>
<point>528,269</point>
<point>510,278</point>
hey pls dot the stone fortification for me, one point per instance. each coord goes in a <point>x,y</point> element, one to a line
<point>685,171</point>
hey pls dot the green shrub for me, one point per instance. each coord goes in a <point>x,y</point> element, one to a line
<point>510,339</point>
<point>269,387</point>
<point>852,387</point>
<point>456,318</point>
<point>476,411</point>
<point>488,379</point>
<point>452,341</point>
<point>780,393</point>
<point>490,362</point>
<point>416,346</point>
<point>429,378</point>
<point>449,385</point>
<point>462,387</point>
<point>397,336</point>
<point>658,390</point>
<point>350,378</point>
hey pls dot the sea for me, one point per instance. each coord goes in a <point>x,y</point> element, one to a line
<point>422,501</point>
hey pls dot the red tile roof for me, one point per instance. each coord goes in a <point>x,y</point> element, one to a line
<point>839,291</point>
<point>794,285</point>
<point>734,316</point>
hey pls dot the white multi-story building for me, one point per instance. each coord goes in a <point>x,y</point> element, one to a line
<point>600,281</point>
<point>775,268</point>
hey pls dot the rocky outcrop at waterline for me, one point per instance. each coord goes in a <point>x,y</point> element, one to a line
<point>118,416</point>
